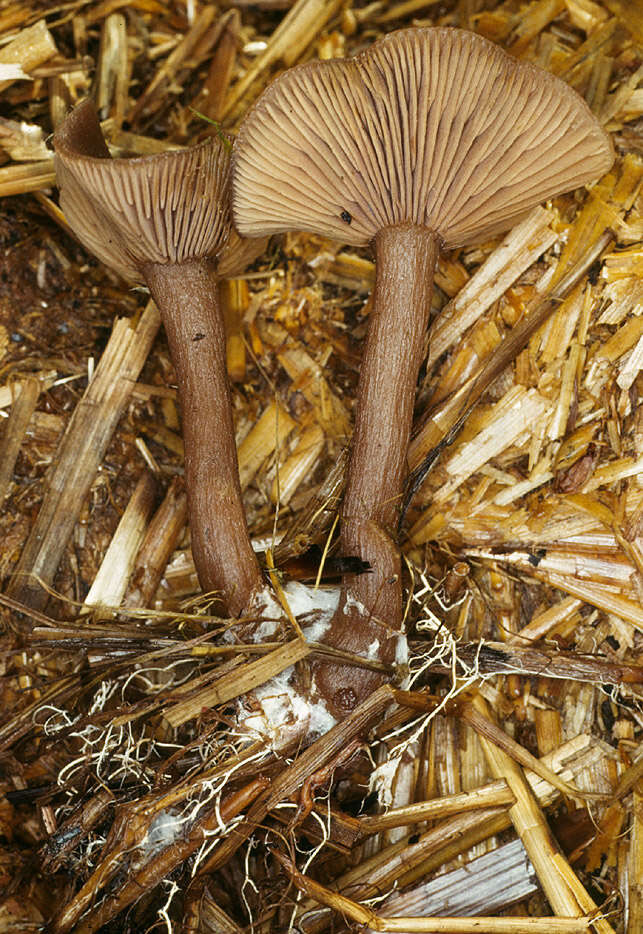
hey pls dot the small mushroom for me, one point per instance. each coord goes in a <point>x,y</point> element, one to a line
<point>428,140</point>
<point>164,220</point>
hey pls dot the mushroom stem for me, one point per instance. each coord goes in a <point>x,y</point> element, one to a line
<point>405,265</point>
<point>187,295</point>
<point>369,616</point>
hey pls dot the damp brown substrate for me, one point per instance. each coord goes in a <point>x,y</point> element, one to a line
<point>188,298</point>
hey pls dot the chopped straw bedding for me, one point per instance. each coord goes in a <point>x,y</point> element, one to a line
<point>494,786</point>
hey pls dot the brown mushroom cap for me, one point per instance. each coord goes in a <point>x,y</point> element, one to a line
<point>165,208</point>
<point>436,127</point>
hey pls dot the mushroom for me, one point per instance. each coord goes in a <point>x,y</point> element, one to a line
<point>163,220</point>
<point>430,139</point>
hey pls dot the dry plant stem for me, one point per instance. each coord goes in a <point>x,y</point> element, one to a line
<point>187,296</point>
<point>366,916</point>
<point>160,541</point>
<point>635,867</point>
<point>21,411</point>
<point>202,913</point>
<point>152,871</point>
<point>497,657</point>
<point>68,835</point>
<point>532,828</point>
<point>493,795</point>
<point>406,256</point>
<point>291,779</point>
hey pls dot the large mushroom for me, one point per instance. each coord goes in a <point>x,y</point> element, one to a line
<point>428,140</point>
<point>164,220</point>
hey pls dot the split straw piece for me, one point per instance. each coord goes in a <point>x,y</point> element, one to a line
<point>484,885</point>
<point>112,79</point>
<point>308,378</point>
<point>31,47</point>
<point>235,299</point>
<point>494,795</point>
<point>266,436</point>
<point>302,23</point>
<point>80,452</point>
<point>158,545</point>
<point>211,97</point>
<point>26,394</point>
<point>111,580</point>
<point>521,247</point>
<point>517,408</point>
<point>17,179</point>
<point>242,680</point>
<point>635,864</point>
<point>299,465</point>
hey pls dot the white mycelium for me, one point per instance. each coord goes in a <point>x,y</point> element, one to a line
<point>278,710</point>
